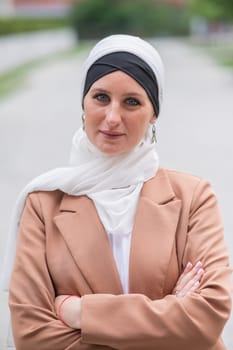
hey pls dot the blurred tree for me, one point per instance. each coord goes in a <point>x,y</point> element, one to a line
<point>97,18</point>
<point>213,9</point>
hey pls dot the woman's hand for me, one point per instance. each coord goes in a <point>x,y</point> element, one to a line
<point>189,280</point>
<point>68,309</point>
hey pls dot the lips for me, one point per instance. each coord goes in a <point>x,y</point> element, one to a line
<point>110,133</point>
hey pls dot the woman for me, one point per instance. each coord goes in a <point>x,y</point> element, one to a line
<point>115,252</point>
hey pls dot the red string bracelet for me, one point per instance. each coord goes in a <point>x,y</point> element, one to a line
<point>60,307</point>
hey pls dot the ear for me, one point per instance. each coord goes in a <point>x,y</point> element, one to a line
<point>153,119</point>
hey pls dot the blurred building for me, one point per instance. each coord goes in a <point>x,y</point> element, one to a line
<point>37,8</point>
<point>6,7</point>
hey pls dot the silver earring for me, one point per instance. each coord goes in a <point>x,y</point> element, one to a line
<point>83,121</point>
<point>153,138</point>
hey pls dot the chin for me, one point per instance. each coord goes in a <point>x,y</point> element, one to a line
<point>109,149</point>
<point>111,152</point>
<point>114,152</point>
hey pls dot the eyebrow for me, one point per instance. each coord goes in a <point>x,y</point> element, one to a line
<point>100,90</point>
<point>108,92</point>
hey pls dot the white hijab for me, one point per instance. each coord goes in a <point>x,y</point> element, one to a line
<point>112,182</point>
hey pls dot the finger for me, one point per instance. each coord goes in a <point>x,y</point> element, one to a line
<point>188,268</point>
<point>195,268</point>
<point>195,286</point>
<point>190,288</point>
<point>191,285</point>
<point>186,277</point>
<point>193,275</point>
<point>191,278</point>
<point>189,273</point>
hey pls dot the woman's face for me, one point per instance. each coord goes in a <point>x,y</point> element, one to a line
<point>117,113</point>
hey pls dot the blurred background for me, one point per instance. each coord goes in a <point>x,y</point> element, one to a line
<point>42,46</point>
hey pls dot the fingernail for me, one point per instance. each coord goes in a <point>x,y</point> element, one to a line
<point>198,264</point>
<point>200,271</point>
<point>189,264</point>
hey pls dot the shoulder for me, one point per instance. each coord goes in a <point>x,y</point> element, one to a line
<point>186,184</point>
<point>53,197</point>
<point>46,202</point>
<point>179,177</point>
<point>193,191</point>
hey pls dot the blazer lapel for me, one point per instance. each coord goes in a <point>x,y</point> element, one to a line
<point>88,244</point>
<point>153,236</point>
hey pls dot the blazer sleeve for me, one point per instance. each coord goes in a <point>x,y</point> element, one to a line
<point>193,322</point>
<point>32,295</point>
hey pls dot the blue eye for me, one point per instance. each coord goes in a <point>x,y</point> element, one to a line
<point>132,101</point>
<point>101,97</point>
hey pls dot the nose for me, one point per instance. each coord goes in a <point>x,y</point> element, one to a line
<point>113,115</point>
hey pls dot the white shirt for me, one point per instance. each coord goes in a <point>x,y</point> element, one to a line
<point>120,245</point>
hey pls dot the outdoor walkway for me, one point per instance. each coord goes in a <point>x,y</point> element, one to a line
<point>21,48</point>
<point>194,130</point>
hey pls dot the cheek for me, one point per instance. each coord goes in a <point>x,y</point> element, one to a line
<point>92,120</point>
<point>138,130</point>
<point>86,108</point>
<point>142,125</point>
<point>143,128</point>
<point>89,114</point>
<point>92,123</point>
<point>91,110</point>
<point>88,105</point>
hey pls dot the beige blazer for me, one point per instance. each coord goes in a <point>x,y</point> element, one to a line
<point>63,249</point>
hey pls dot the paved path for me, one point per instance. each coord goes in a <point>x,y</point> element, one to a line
<point>22,48</point>
<point>194,130</point>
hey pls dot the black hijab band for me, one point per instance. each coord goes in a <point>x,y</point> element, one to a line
<point>130,64</point>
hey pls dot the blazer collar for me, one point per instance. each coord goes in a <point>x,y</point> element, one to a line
<point>151,244</point>
<point>159,189</point>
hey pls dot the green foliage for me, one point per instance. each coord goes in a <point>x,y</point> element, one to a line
<point>98,18</point>
<point>213,9</point>
<point>19,25</point>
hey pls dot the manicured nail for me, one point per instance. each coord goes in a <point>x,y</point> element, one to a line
<point>198,264</point>
<point>196,284</point>
<point>188,264</point>
<point>200,271</point>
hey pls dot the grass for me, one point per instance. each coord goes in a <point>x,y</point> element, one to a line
<point>224,54</point>
<point>14,25</point>
<point>221,50</point>
<point>14,79</point>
